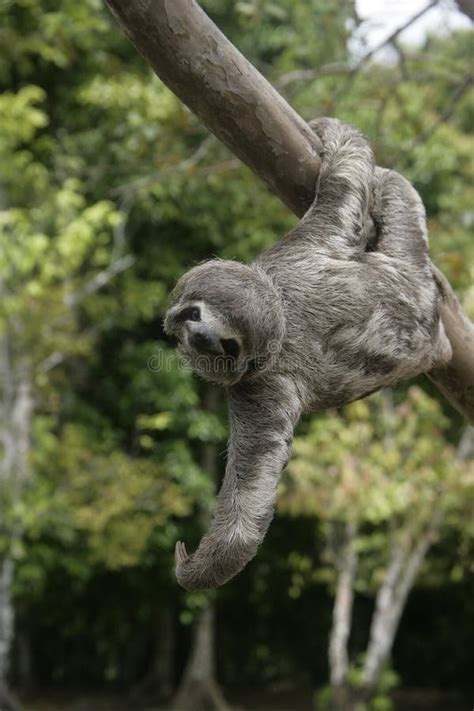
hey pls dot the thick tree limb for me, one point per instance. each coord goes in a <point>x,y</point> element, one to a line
<point>199,64</point>
<point>456,380</point>
<point>466,7</point>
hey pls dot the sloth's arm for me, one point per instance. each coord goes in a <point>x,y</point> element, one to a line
<point>338,218</point>
<point>400,217</point>
<point>262,419</point>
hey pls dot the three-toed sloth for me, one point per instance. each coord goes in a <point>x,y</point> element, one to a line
<point>331,313</point>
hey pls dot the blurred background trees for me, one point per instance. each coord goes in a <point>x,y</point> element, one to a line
<point>109,190</point>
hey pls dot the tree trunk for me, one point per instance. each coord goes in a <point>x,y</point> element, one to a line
<point>16,405</point>
<point>199,64</point>
<point>15,432</point>
<point>157,684</point>
<point>7,700</point>
<point>6,615</point>
<point>198,690</point>
<point>399,580</point>
<point>24,662</point>
<point>346,565</point>
<point>391,599</point>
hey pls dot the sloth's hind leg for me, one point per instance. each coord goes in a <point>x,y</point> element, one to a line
<point>400,219</point>
<point>344,190</point>
<point>399,216</point>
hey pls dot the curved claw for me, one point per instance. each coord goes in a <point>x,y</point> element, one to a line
<point>180,553</point>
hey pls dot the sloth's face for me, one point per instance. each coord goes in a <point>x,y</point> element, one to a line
<point>214,350</point>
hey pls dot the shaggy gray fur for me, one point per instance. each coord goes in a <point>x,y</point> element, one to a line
<point>327,315</point>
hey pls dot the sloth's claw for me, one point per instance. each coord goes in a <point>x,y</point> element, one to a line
<point>180,553</point>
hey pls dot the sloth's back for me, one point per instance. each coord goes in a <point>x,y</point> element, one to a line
<point>354,326</point>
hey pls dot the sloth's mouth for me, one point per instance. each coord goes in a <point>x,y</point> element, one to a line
<point>230,346</point>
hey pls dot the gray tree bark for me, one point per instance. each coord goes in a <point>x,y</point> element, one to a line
<point>390,602</point>
<point>16,412</point>
<point>466,7</point>
<point>456,379</point>
<point>346,566</point>
<point>8,701</point>
<point>400,577</point>
<point>198,689</point>
<point>16,406</point>
<point>6,615</point>
<point>199,64</point>
<point>158,682</point>
<point>15,426</point>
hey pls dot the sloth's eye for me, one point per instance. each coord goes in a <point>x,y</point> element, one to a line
<point>191,313</point>
<point>230,347</point>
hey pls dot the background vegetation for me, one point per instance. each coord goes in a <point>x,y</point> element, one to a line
<point>109,190</point>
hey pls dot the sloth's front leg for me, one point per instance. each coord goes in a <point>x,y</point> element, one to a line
<point>337,219</point>
<point>262,416</point>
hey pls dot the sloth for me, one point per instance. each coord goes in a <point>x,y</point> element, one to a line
<point>343,305</point>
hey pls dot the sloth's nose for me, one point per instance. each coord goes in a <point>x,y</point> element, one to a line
<point>204,341</point>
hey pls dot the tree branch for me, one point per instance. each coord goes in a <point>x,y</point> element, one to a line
<point>456,379</point>
<point>189,162</point>
<point>346,84</point>
<point>99,280</point>
<point>466,7</point>
<point>199,64</point>
<point>394,35</point>
<point>308,75</point>
<point>444,116</point>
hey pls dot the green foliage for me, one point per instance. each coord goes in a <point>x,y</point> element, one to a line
<point>100,160</point>
<point>383,465</point>
<point>381,700</point>
<point>373,460</point>
<point>116,501</point>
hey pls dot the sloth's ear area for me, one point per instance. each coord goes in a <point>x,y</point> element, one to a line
<point>178,291</point>
<point>265,319</point>
<point>170,320</point>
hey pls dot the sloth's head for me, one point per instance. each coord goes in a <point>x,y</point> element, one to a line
<point>228,320</point>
